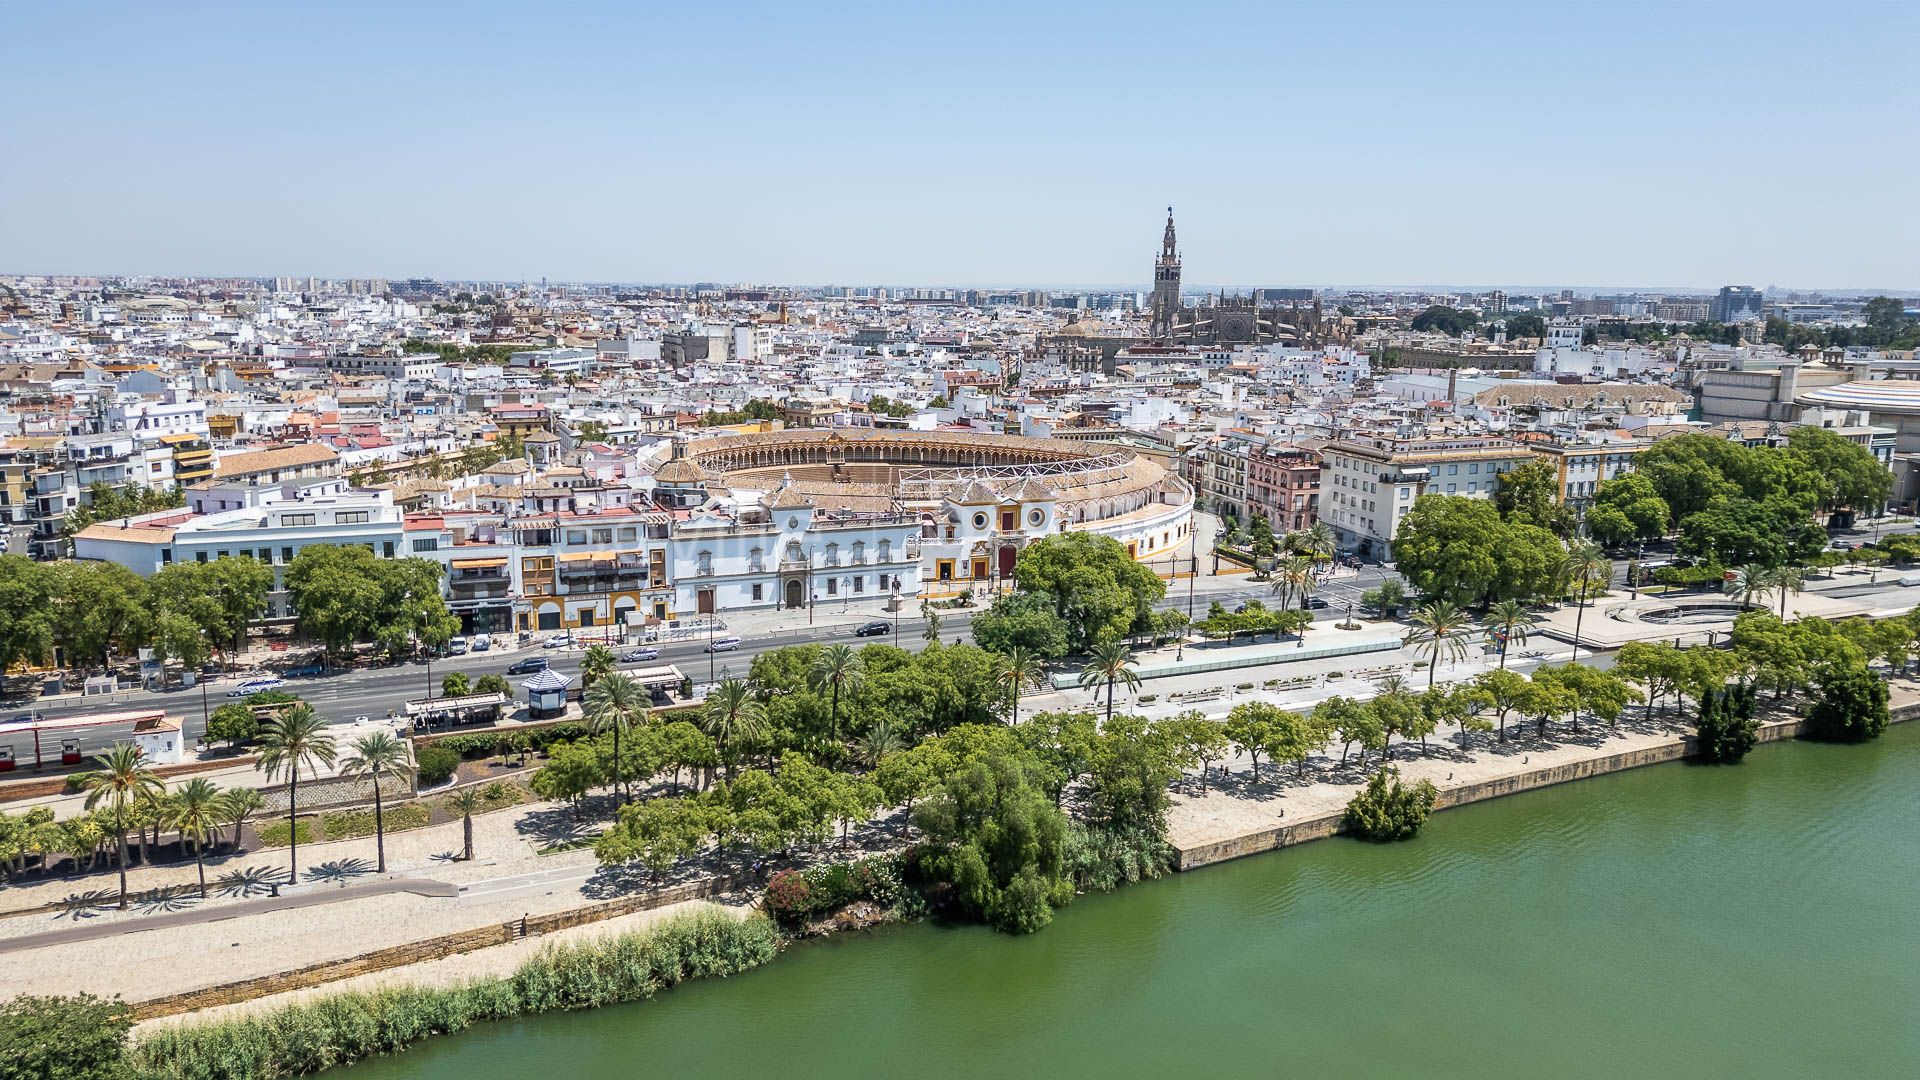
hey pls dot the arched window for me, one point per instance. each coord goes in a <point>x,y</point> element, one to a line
<point>706,564</point>
<point>794,554</point>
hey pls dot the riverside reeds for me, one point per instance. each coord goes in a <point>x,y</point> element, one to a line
<point>347,1027</point>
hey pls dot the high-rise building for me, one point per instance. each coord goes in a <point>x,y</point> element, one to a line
<point>1736,303</point>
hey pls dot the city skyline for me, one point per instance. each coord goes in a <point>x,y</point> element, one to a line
<point>1384,147</point>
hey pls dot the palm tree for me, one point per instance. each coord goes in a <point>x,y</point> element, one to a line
<point>880,740</point>
<point>294,738</point>
<point>195,811</point>
<point>837,668</point>
<point>1321,541</point>
<point>1439,629</point>
<point>1584,567</point>
<point>122,780</point>
<point>1109,663</point>
<point>1512,620</point>
<point>612,704</point>
<point>1747,582</point>
<point>732,715</point>
<point>235,805</point>
<point>464,802</point>
<point>597,664</point>
<point>1787,579</point>
<point>378,756</point>
<point>1015,670</point>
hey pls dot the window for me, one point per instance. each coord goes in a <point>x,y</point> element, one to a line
<point>199,556</point>
<point>603,536</point>
<point>629,533</point>
<point>426,545</point>
<point>1453,470</point>
<point>758,589</point>
<point>350,517</point>
<point>576,536</point>
<point>833,586</point>
<point>833,555</point>
<point>979,521</point>
<point>1473,469</point>
<point>706,564</point>
<point>793,554</point>
<point>859,552</point>
<point>886,550</point>
<point>859,584</point>
<point>756,562</point>
<point>387,548</point>
<point>290,520</point>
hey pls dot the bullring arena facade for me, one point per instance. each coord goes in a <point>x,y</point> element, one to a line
<point>807,515</point>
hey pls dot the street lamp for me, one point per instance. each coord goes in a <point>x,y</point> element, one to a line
<point>710,622</point>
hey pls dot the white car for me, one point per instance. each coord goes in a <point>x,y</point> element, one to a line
<point>725,644</point>
<point>457,647</point>
<point>481,643</point>
<point>254,686</point>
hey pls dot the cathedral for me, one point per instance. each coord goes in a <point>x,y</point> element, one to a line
<point>1227,322</point>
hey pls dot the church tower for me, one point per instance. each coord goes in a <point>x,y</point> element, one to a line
<point>1166,285</point>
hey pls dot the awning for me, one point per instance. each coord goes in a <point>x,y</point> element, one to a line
<point>589,556</point>
<point>479,564</point>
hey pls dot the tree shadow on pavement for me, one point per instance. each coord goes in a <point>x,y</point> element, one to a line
<point>250,881</point>
<point>339,870</point>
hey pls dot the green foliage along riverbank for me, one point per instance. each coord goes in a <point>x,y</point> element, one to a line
<point>343,1028</point>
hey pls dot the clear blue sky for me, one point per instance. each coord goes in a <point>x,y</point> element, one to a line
<point>1533,143</point>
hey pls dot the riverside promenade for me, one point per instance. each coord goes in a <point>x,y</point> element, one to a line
<point>1236,815</point>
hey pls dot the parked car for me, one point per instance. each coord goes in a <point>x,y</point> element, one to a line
<point>481,643</point>
<point>636,656</point>
<point>876,628</point>
<point>554,642</point>
<point>457,647</point>
<point>725,644</point>
<point>254,686</point>
<point>528,666</point>
<point>304,671</point>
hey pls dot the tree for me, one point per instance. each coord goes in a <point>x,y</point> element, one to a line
<point>732,716</point>
<point>1530,495</point>
<point>98,608</point>
<point>123,781</point>
<point>1353,722</point>
<point>236,804</point>
<point>1587,571</point>
<point>1725,729</point>
<point>1785,580</point>
<point>234,723</point>
<point>1747,582</point>
<point>1509,622</point>
<point>492,684</point>
<point>378,756</point>
<point>26,606</point>
<point>295,738</point>
<point>1387,809</point>
<point>1097,589</point>
<point>336,591</point>
<point>455,684</point>
<point>1445,320</point>
<point>466,802</point>
<point>614,704</point>
<point>1851,705</point>
<point>1602,693</point>
<point>596,664</point>
<point>1295,737</point>
<point>194,810</point>
<point>1387,599</point>
<point>1439,630</point>
<point>880,742</point>
<point>658,834</point>
<point>1109,663</point>
<point>1022,620</point>
<point>1527,564</point>
<point>1525,325</point>
<point>837,670</point>
<point>1253,727</point>
<point>1446,546</point>
<point>1628,508</point>
<point>1851,477</point>
<point>1203,741</point>
<point>994,836</point>
<point>1015,670</point>
<point>64,1038</point>
<point>1456,705</point>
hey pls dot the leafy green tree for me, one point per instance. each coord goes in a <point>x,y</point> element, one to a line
<point>107,502</point>
<point>992,834</point>
<point>63,1038</point>
<point>1725,729</point>
<point>1353,722</point>
<point>572,770</point>
<point>234,723</point>
<point>1296,737</point>
<point>1387,809</point>
<point>1530,495</point>
<point>1098,590</point>
<point>1628,508</point>
<point>1252,727</point>
<point>1445,320</point>
<point>1546,698</point>
<point>295,738</point>
<point>1504,691</point>
<point>1202,741</point>
<point>1602,693</point>
<point>1526,325</point>
<point>1109,662</point>
<point>1851,705</point>
<point>1747,582</point>
<point>492,684</point>
<point>98,608</point>
<point>1447,547</point>
<point>26,611</point>
<point>455,684</point>
<point>658,833</point>
<point>1852,478</point>
<point>378,756</point>
<point>1022,620</point>
<point>125,783</point>
<point>1387,599</point>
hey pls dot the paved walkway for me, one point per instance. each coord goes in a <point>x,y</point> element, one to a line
<point>311,897</point>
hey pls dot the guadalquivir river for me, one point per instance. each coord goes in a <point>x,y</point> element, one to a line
<point>1675,921</point>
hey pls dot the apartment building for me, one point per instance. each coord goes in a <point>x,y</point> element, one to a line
<point>1369,485</point>
<point>1283,483</point>
<point>1580,467</point>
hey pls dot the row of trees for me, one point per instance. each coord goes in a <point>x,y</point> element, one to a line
<point>108,502</point>
<point>345,594</point>
<point>1075,590</point>
<point>95,611</point>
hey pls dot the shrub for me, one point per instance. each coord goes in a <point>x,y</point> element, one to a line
<point>789,899</point>
<point>1243,686</point>
<point>794,896</point>
<point>470,746</point>
<point>233,723</point>
<point>343,1028</point>
<point>278,833</point>
<point>1387,809</point>
<point>1725,728</point>
<point>1102,858</point>
<point>435,764</point>
<point>1851,705</point>
<point>1336,674</point>
<point>63,1038</point>
<point>348,824</point>
<point>1147,699</point>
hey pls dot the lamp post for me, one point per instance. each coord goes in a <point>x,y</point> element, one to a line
<point>710,621</point>
<point>896,611</point>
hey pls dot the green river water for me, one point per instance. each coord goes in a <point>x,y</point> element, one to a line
<point>1674,921</point>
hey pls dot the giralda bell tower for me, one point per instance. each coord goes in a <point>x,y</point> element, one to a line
<point>1166,285</point>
